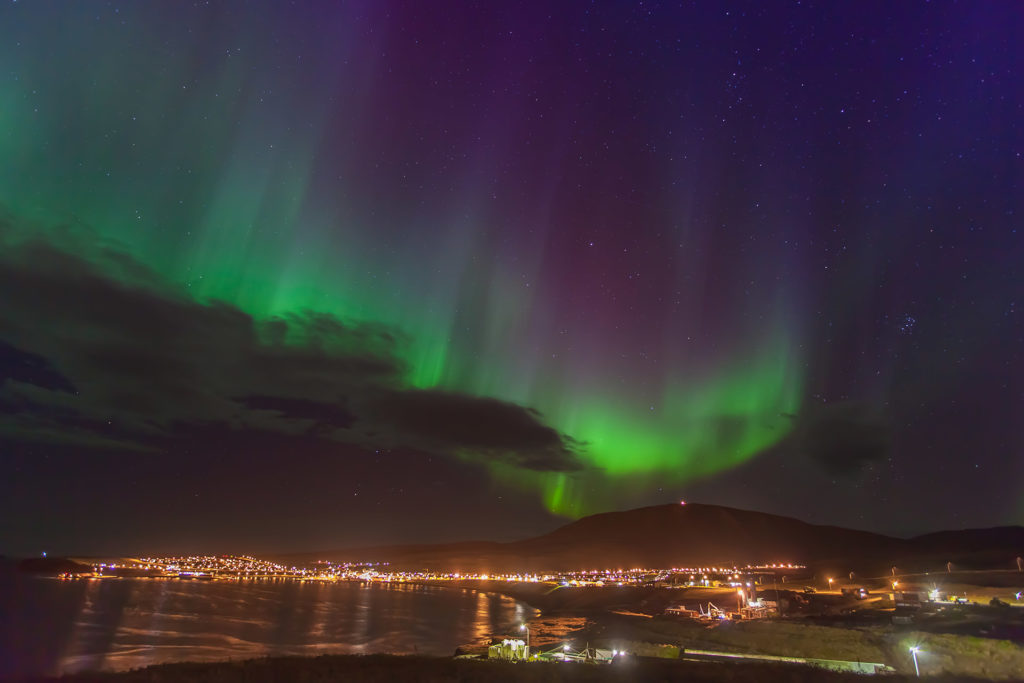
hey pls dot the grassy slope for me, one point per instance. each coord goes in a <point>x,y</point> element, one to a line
<point>954,655</point>
<point>391,669</point>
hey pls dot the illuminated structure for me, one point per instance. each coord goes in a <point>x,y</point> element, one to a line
<point>510,650</point>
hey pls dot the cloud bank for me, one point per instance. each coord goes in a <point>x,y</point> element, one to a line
<point>96,350</point>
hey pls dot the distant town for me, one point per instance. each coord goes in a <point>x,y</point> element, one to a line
<point>751,591</point>
<point>942,603</point>
<point>211,567</point>
<point>764,613</point>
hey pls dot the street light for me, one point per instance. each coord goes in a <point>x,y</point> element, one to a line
<point>913,653</point>
<point>830,583</point>
<point>524,627</point>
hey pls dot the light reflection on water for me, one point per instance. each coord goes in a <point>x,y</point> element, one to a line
<point>52,627</point>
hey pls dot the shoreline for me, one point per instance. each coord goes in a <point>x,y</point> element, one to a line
<point>629,618</point>
<point>554,599</point>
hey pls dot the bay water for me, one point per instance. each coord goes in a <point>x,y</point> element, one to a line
<point>51,626</point>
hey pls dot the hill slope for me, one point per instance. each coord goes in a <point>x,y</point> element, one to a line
<point>696,535</point>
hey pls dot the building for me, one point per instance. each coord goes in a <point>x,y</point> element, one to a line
<point>509,650</point>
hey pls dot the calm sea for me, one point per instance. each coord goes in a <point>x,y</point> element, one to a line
<point>49,626</point>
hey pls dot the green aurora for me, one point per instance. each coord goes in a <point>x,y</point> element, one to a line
<point>213,180</point>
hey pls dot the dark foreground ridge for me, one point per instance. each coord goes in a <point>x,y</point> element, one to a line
<point>399,669</point>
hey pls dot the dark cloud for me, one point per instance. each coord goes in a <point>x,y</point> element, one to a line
<point>843,437</point>
<point>30,368</point>
<point>331,414</point>
<point>481,425</point>
<point>96,350</point>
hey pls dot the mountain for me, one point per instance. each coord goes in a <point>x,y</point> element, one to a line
<point>52,566</point>
<point>700,535</point>
<point>694,534</point>
<point>980,547</point>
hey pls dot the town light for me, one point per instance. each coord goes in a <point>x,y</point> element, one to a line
<point>913,653</point>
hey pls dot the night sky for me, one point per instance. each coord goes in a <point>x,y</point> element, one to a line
<point>299,276</point>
